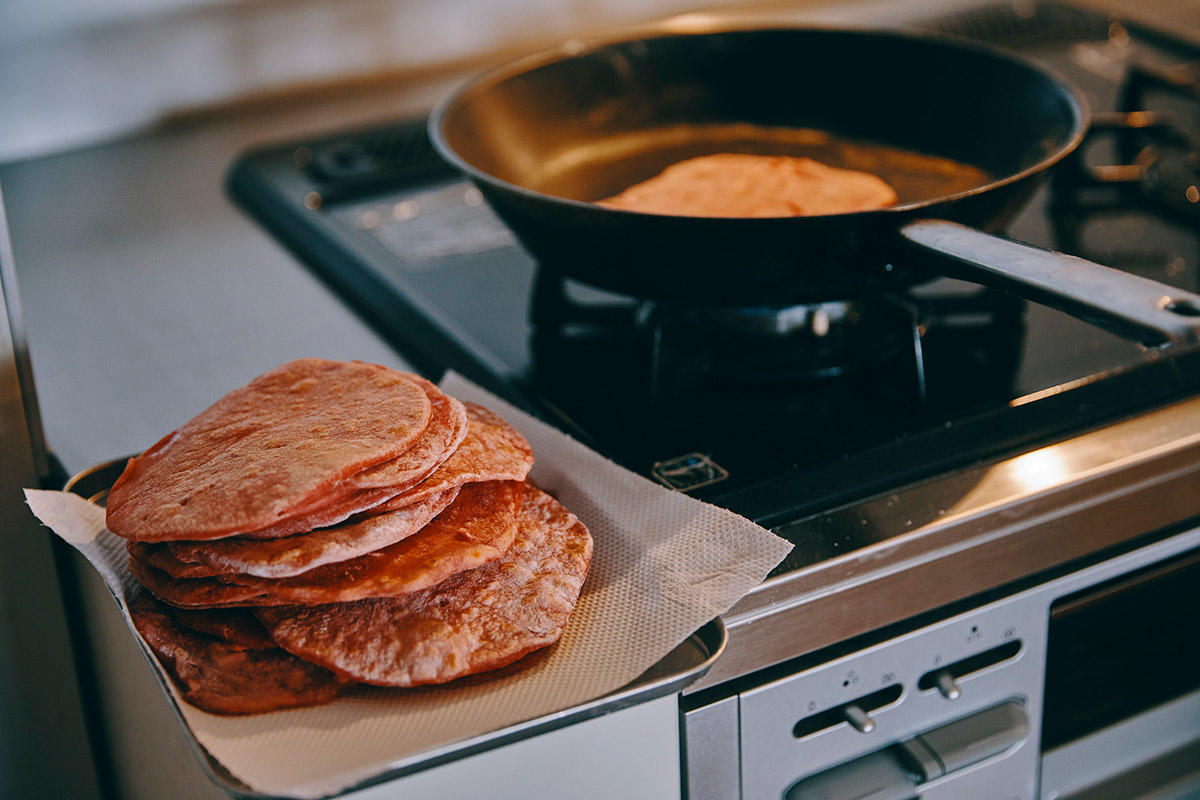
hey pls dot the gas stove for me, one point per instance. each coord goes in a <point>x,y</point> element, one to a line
<point>846,392</point>
<point>953,464</point>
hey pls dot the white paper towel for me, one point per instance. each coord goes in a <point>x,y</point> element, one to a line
<point>664,564</point>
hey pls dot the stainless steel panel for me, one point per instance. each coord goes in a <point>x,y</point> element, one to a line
<point>989,525</point>
<point>773,758</point>
<point>712,768</point>
<point>1084,766</point>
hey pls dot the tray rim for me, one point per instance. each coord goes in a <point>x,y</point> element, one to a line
<point>92,483</point>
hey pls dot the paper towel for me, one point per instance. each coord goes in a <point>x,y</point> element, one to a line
<point>664,564</point>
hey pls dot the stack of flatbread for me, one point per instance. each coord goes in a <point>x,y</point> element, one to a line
<point>334,523</point>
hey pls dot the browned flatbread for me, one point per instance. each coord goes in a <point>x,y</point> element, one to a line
<point>476,528</point>
<point>236,627</point>
<point>291,555</point>
<point>445,432</point>
<point>217,678</point>
<point>744,185</point>
<point>447,428</point>
<point>475,621</point>
<point>338,509</point>
<point>276,448</point>
<point>493,450</point>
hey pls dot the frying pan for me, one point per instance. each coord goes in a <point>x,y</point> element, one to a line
<point>963,132</point>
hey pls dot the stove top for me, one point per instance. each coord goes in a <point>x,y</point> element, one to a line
<point>777,413</point>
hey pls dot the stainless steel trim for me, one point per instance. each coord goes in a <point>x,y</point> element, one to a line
<point>991,525</point>
<point>20,349</point>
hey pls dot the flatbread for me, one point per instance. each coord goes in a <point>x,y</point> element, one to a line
<point>746,185</point>
<point>476,528</point>
<point>278,447</point>
<point>492,450</point>
<point>447,428</point>
<point>445,432</point>
<point>236,627</point>
<point>475,621</point>
<point>292,555</point>
<point>338,509</point>
<point>217,678</point>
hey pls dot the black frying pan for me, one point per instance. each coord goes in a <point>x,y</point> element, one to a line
<point>964,134</point>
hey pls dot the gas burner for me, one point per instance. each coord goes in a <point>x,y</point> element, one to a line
<point>816,320</point>
<point>684,350</point>
<point>696,347</point>
<point>660,381</point>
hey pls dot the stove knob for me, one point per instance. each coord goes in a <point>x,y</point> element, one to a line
<point>945,683</point>
<point>859,720</point>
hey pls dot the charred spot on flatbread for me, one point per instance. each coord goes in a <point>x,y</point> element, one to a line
<point>223,680</point>
<point>475,529</point>
<point>278,447</point>
<point>474,621</point>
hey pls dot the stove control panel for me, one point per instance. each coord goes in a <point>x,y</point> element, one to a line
<point>964,707</point>
<point>895,772</point>
<point>942,711</point>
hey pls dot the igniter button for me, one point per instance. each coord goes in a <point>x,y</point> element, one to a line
<point>859,720</point>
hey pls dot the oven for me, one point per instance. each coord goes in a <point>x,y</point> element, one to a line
<point>1081,686</point>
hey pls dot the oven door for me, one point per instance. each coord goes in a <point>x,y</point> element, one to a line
<point>1121,709</point>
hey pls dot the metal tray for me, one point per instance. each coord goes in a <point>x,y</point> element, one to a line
<point>683,665</point>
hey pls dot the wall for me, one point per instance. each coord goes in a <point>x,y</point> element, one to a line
<point>73,72</point>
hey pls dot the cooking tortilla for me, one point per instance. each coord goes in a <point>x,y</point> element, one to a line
<point>475,529</point>
<point>277,448</point>
<point>224,680</point>
<point>291,555</point>
<point>744,185</point>
<point>472,622</point>
<point>492,450</point>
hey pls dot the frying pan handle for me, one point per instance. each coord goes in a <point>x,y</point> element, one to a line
<point>1129,305</point>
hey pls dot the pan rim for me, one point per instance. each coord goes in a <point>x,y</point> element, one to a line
<point>580,46</point>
